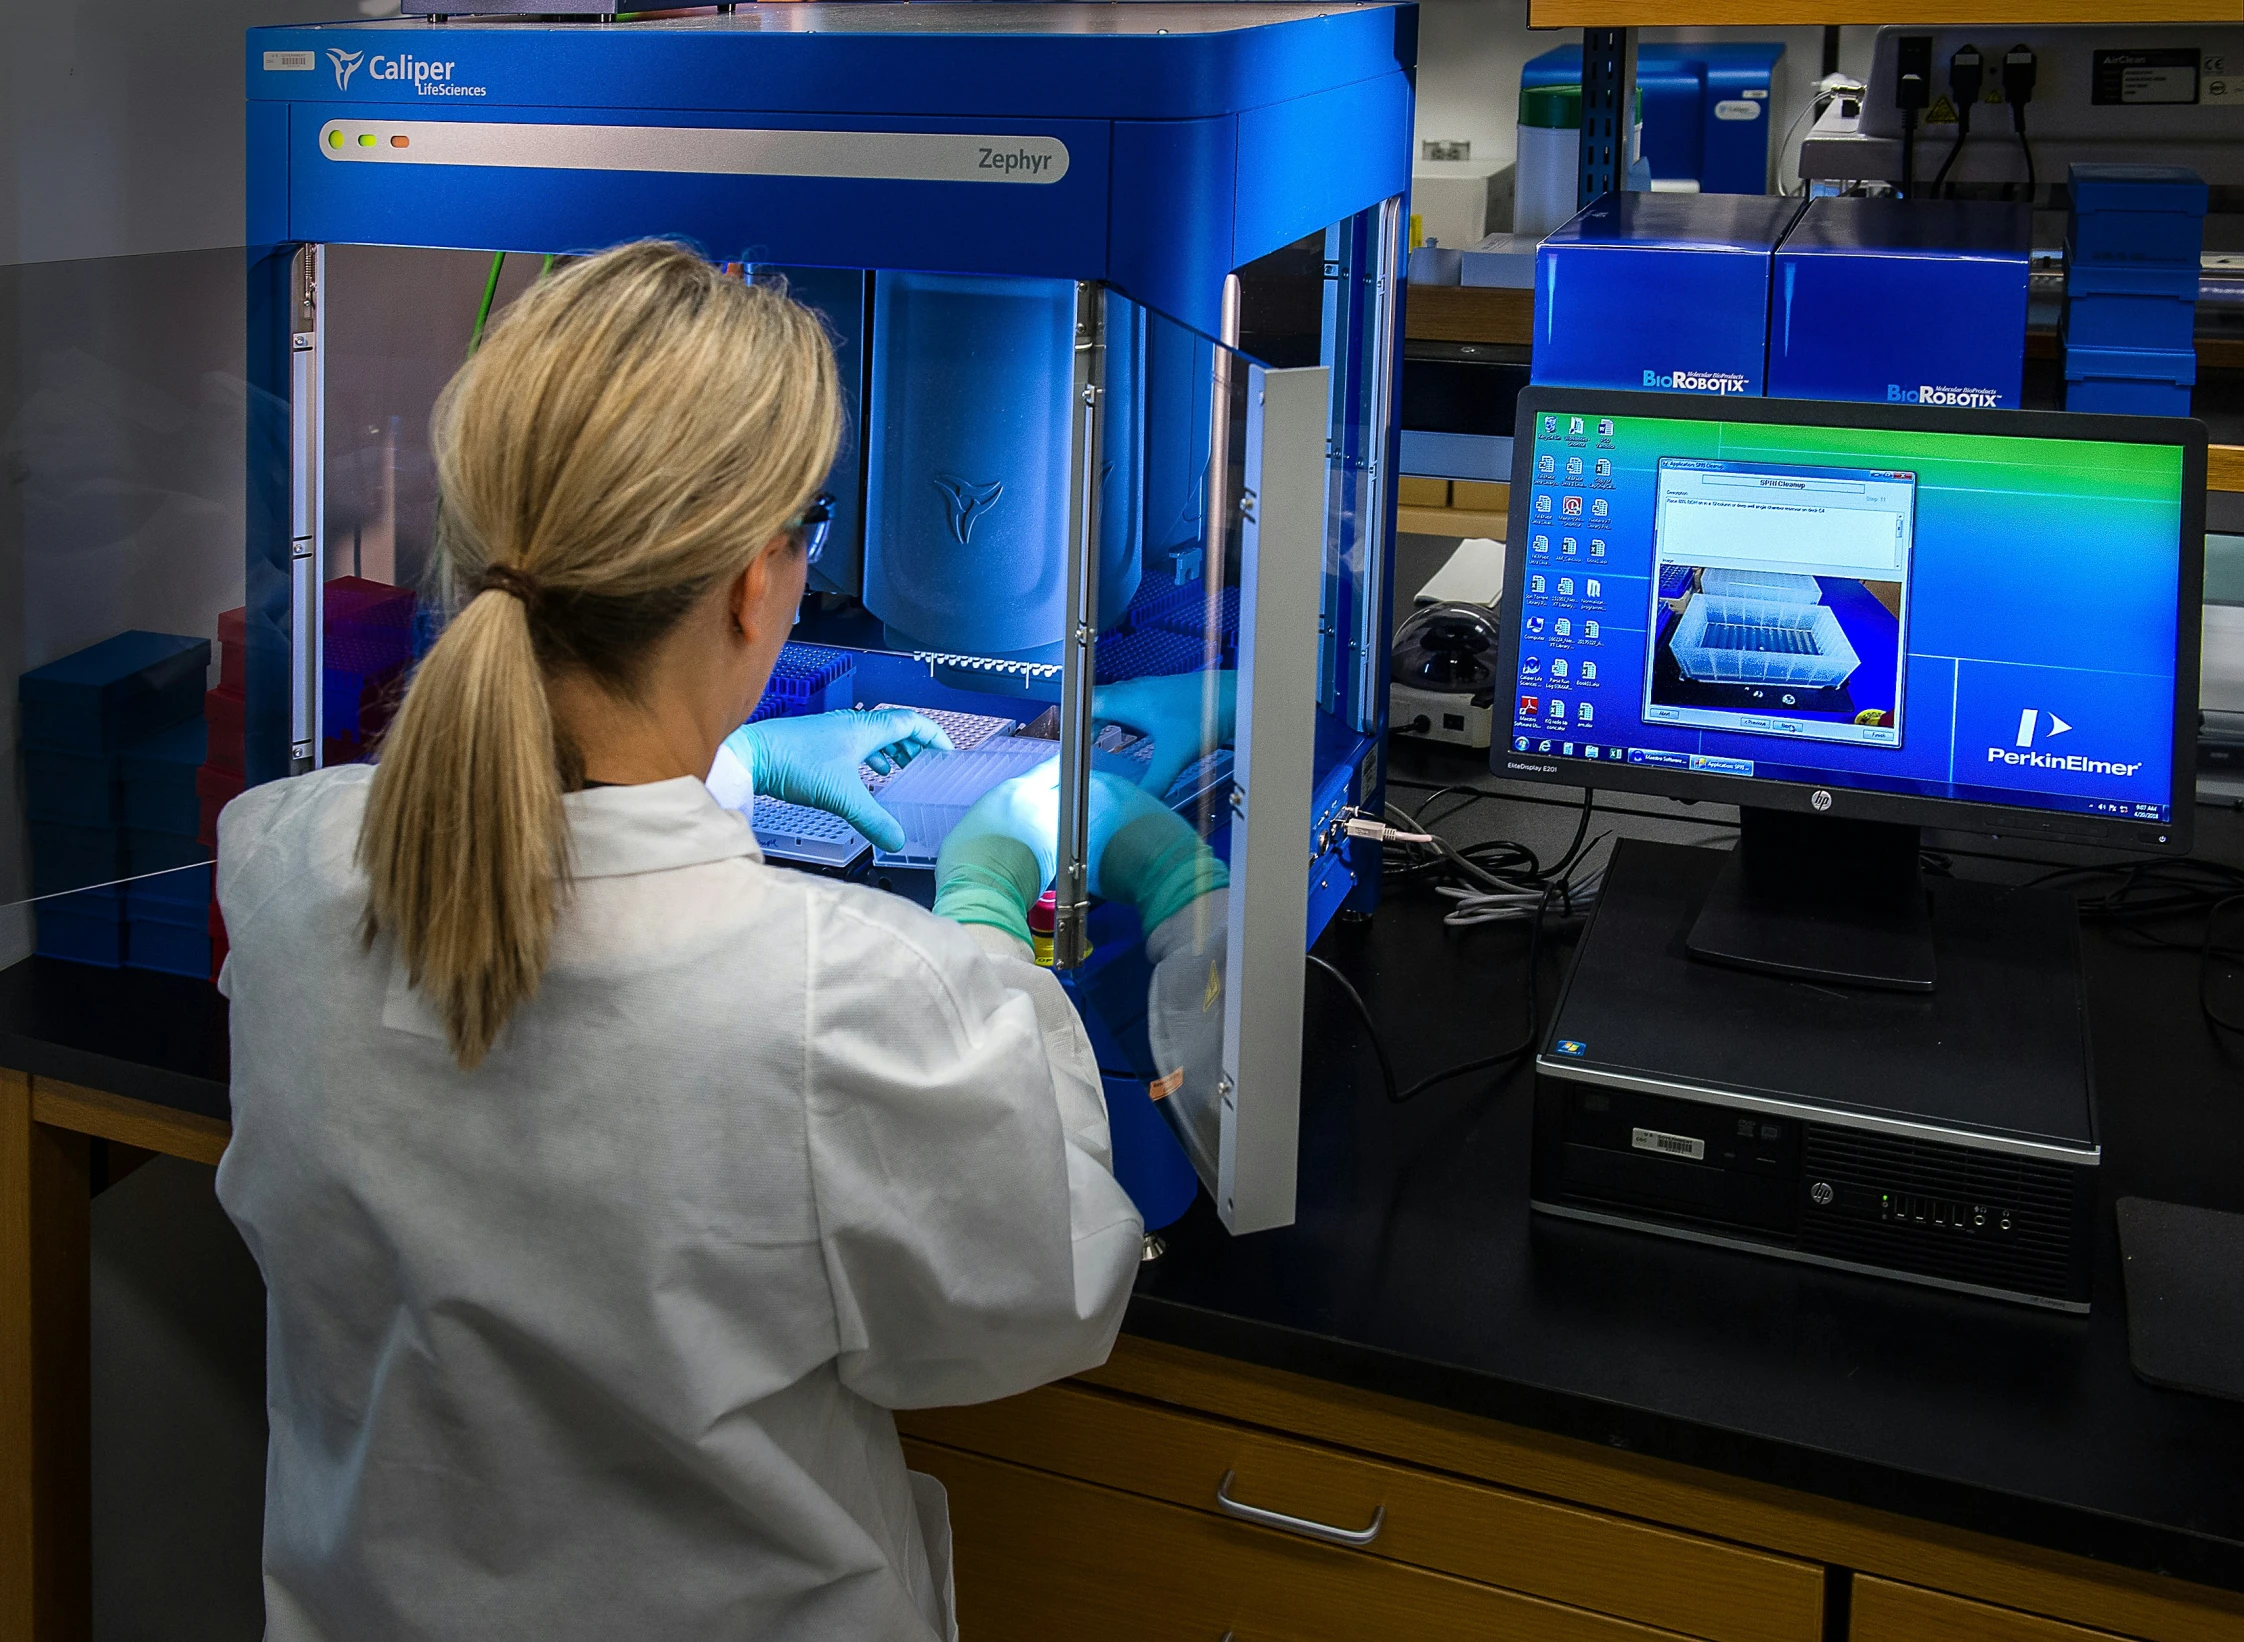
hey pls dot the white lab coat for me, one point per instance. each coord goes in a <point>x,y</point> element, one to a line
<point>600,1339</point>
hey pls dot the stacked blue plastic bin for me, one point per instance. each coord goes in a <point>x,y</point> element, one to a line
<point>808,678</point>
<point>111,737</point>
<point>2131,273</point>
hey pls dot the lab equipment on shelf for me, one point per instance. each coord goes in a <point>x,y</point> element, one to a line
<point>2132,252</point>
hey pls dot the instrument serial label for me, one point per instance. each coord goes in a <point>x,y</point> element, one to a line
<point>1651,1140</point>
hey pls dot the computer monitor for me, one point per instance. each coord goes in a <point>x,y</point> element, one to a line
<point>1854,621</point>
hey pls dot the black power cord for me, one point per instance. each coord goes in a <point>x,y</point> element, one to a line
<point>1912,92</point>
<point>1967,75</point>
<point>2018,70</point>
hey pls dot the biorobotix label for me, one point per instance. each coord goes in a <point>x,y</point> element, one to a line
<point>1720,382</point>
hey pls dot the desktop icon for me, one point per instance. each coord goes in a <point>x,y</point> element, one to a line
<point>1589,672</point>
<point>1605,467</point>
<point>1563,627</point>
<point>1555,710</point>
<point>1543,503</point>
<point>1567,748</point>
<point>1589,630</point>
<point>1576,426</point>
<point>1590,751</point>
<point>1546,463</point>
<point>1542,544</point>
<point>1550,425</point>
<point>1530,665</point>
<point>1534,627</point>
<point>1534,584</point>
<point>1519,743</point>
<point>1558,668</point>
<point>1573,467</point>
<point>1597,547</point>
<point>1605,427</point>
<point>1593,589</point>
<point>1569,546</point>
<point>1585,713</point>
<point>1565,587</point>
<point>1542,746</point>
<point>1573,505</point>
<point>1530,706</point>
<point>1598,506</point>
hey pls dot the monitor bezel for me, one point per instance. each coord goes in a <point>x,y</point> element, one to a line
<point>1910,809</point>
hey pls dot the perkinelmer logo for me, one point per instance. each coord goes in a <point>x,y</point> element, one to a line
<point>1928,394</point>
<point>2033,724</point>
<point>1695,381</point>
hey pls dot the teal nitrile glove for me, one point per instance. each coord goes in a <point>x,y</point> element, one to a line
<point>1145,854</point>
<point>1002,853</point>
<point>814,761</point>
<point>1187,714</point>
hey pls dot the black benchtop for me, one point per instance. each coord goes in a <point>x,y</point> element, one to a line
<point>1417,1270</point>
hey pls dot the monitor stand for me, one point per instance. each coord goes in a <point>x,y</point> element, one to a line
<point>1820,899</point>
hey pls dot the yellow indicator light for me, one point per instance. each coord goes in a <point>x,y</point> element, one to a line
<point>366,139</point>
<point>335,139</point>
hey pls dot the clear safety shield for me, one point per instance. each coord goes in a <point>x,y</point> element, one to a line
<point>1072,544</point>
<point>124,607</point>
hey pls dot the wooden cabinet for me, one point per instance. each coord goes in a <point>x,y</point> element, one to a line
<point>1090,1510</point>
<point>1887,1612</point>
<point>1585,1560</point>
<point>1039,1556</point>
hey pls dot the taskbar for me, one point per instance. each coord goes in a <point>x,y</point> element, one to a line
<point>1665,758</point>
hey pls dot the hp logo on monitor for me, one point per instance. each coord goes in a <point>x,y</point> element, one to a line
<point>1819,801</point>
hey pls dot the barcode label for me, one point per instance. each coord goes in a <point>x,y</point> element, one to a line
<point>1651,1140</point>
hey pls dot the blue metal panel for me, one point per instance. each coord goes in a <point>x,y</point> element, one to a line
<point>1307,163</point>
<point>1031,61</point>
<point>1171,227</point>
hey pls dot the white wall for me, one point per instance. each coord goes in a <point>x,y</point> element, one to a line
<point>121,122</point>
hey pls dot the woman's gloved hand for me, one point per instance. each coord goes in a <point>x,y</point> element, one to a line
<point>1188,715</point>
<point>814,761</point>
<point>1002,853</point>
<point>1145,854</point>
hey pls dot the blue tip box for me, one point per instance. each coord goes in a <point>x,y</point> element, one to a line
<point>109,695</point>
<point>1920,302</point>
<point>1659,291</point>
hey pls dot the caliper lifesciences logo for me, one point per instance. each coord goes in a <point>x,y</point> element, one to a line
<point>2026,756</point>
<point>428,77</point>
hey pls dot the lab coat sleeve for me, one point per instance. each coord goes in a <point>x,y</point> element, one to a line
<point>975,1239</point>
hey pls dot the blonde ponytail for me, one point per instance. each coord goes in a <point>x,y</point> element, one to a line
<point>631,433</point>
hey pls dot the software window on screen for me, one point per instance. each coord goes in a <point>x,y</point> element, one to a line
<point>1780,600</point>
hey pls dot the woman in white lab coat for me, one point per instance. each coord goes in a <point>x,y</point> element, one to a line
<point>611,1186</point>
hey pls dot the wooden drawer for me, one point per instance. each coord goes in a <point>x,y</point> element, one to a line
<point>1585,1559</point>
<point>1040,1557</point>
<point>1887,1612</point>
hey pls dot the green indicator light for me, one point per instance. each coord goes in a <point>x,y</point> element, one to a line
<point>366,139</point>
<point>335,139</point>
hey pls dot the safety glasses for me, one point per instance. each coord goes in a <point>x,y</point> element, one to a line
<point>814,525</point>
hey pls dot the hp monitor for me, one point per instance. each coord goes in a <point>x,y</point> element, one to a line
<point>1854,621</point>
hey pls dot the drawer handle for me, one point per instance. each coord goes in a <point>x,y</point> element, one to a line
<point>1296,1525</point>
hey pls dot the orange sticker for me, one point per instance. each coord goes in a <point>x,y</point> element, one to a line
<point>1163,1088</point>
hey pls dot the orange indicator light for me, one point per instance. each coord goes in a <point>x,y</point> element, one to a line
<point>401,141</point>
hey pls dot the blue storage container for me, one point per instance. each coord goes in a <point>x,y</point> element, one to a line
<point>80,934</point>
<point>1916,302</point>
<point>147,851</point>
<point>171,948</point>
<point>66,857</point>
<point>111,694</point>
<point>2132,216</point>
<point>74,789</point>
<point>1659,291</point>
<point>178,896</point>
<point>2129,381</point>
<point>1706,108</point>
<point>159,779</point>
<point>2094,319</point>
